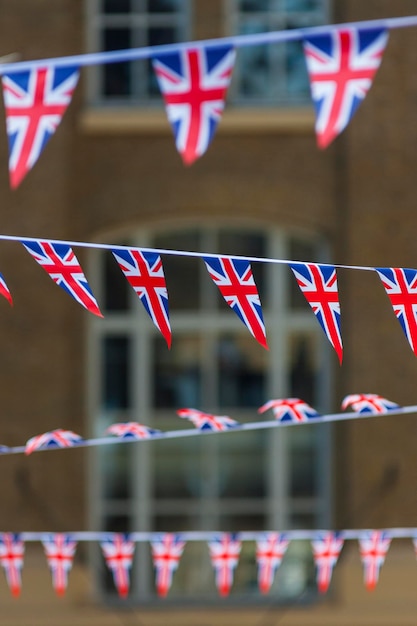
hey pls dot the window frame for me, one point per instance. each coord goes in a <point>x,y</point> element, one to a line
<point>280,505</point>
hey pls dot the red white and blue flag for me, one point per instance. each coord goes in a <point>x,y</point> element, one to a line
<point>235,281</point>
<point>401,287</point>
<point>60,262</point>
<point>319,286</point>
<point>145,273</point>
<point>34,101</point>
<point>326,550</point>
<point>224,554</point>
<point>167,551</point>
<point>341,65</point>
<point>207,421</point>
<point>59,552</point>
<point>368,403</point>
<point>290,410</point>
<point>373,546</point>
<point>118,551</point>
<point>131,430</point>
<point>4,290</point>
<point>54,439</point>
<point>12,550</point>
<point>270,550</point>
<point>194,84</point>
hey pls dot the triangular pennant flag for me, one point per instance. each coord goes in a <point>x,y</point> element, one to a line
<point>194,84</point>
<point>326,550</point>
<point>368,403</point>
<point>319,286</point>
<point>145,273</point>
<point>131,430</point>
<point>59,552</point>
<point>374,546</point>
<point>401,287</point>
<point>4,290</point>
<point>224,554</point>
<point>118,551</point>
<point>54,439</point>
<point>167,550</point>
<point>290,410</point>
<point>35,101</point>
<point>270,550</point>
<point>12,550</point>
<point>207,421</point>
<point>235,281</point>
<point>60,262</point>
<point>341,65</point>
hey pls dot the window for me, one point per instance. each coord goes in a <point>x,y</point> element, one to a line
<point>274,73</point>
<point>125,24</point>
<point>258,480</point>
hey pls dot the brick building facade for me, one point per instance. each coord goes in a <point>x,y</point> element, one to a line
<point>111,171</point>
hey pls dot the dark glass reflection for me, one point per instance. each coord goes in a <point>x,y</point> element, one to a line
<point>116,287</point>
<point>241,372</point>
<point>117,6</point>
<point>116,360</point>
<point>116,77</point>
<point>176,373</point>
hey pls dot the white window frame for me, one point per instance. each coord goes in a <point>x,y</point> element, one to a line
<point>280,321</point>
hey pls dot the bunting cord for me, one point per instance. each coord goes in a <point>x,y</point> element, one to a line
<point>194,432</point>
<point>171,252</point>
<point>237,41</point>
<point>196,535</point>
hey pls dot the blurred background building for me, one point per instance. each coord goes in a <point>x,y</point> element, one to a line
<point>112,174</point>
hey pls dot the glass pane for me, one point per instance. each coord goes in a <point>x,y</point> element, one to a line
<point>242,364</point>
<point>177,471</point>
<point>303,461</point>
<point>116,77</point>
<point>115,472</point>
<point>254,71</point>
<point>296,70</point>
<point>246,573</point>
<point>253,5</point>
<point>116,287</point>
<point>117,6</point>
<point>165,6</point>
<point>302,370</point>
<point>117,524</point>
<point>175,522</point>
<point>182,273</point>
<point>176,372</point>
<point>242,465</point>
<point>115,375</point>
<point>303,5</point>
<point>296,575</point>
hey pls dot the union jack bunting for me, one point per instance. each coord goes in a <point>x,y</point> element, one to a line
<point>34,101</point>
<point>290,410</point>
<point>224,554</point>
<point>374,546</point>
<point>54,439</point>
<point>401,287</point>
<point>270,550</point>
<point>368,403</point>
<point>60,262</point>
<point>145,274</point>
<point>59,552</point>
<point>194,84</point>
<point>4,290</point>
<point>166,554</point>
<point>206,421</point>
<point>12,550</point>
<point>131,430</point>
<point>326,551</point>
<point>235,281</point>
<point>341,65</point>
<point>118,551</point>
<point>319,286</point>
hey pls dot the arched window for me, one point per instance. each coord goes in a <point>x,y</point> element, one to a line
<point>259,480</point>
